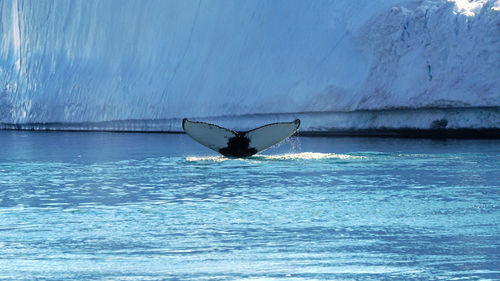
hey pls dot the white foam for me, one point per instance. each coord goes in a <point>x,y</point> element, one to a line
<point>308,156</point>
<point>207,158</point>
<point>287,156</point>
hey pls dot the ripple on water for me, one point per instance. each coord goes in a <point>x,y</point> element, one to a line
<point>366,215</point>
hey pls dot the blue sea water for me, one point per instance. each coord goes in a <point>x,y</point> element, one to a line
<point>114,206</point>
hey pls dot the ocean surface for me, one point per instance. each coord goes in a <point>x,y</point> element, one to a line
<point>113,206</point>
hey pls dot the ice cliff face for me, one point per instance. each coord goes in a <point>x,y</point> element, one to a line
<point>435,54</point>
<point>79,61</point>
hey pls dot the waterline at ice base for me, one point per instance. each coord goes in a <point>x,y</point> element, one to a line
<point>340,66</point>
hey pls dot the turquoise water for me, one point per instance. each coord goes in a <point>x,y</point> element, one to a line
<point>116,206</point>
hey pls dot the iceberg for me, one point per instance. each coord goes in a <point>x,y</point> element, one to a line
<point>144,65</point>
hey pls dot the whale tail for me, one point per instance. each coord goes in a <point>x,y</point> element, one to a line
<point>239,144</point>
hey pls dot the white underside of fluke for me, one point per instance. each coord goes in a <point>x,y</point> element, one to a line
<point>259,139</point>
<point>209,135</point>
<point>266,136</point>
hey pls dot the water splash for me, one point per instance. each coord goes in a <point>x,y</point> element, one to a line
<point>207,158</point>
<point>308,156</point>
<point>287,156</point>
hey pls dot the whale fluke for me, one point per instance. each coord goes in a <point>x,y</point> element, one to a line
<point>239,144</point>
